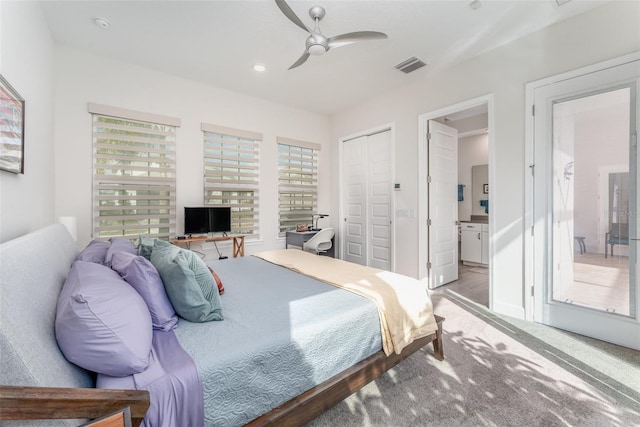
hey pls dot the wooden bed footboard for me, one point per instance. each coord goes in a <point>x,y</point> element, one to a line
<point>302,409</point>
<point>47,403</point>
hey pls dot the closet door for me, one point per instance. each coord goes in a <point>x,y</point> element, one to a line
<point>355,203</point>
<point>367,200</point>
<point>379,198</point>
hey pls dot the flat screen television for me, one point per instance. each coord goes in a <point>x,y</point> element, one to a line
<point>210,219</point>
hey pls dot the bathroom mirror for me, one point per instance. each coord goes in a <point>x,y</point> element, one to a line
<point>480,190</point>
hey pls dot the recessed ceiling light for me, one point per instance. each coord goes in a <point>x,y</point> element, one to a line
<point>259,67</point>
<point>102,22</point>
<point>475,4</point>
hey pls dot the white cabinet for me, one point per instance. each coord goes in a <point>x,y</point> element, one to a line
<point>475,243</point>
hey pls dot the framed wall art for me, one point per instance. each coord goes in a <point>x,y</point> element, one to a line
<point>11,128</point>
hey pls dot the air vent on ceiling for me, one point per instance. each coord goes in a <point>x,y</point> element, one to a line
<point>410,65</point>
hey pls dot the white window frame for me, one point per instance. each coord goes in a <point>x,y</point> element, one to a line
<point>298,163</point>
<point>142,179</point>
<point>232,166</point>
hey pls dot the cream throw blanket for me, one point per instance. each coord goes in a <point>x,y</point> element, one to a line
<point>404,306</point>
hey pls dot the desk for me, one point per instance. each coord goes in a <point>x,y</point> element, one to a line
<point>297,238</point>
<point>238,242</point>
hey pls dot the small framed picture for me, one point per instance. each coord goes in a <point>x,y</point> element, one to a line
<point>485,188</point>
<point>11,129</point>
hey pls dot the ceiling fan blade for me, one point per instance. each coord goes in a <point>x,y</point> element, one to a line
<point>300,60</point>
<point>348,38</point>
<point>289,13</point>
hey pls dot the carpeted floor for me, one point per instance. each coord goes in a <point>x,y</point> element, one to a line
<point>497,373</point>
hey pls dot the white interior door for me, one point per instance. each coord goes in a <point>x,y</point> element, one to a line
<point>584,125</point>
<point>355,200</point>
<point>442,223</point>
<point>379,250</point>
<point>367,204</point>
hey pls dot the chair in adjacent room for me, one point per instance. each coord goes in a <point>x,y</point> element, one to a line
<point>618,234</point>
<point>320,242</point>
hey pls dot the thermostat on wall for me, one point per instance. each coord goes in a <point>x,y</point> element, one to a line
<point>396,186</point>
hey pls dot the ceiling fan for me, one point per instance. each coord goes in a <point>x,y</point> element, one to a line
<point>317,43</point>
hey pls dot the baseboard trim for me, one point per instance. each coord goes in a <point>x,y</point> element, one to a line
<point>509,309</point>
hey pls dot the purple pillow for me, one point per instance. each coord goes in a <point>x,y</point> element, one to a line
<point>142,275</point>
<point>119,244</point>
<point>96,251</point>
<point>102,324</point>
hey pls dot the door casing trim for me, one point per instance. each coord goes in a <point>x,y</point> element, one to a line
<point>423,199</point>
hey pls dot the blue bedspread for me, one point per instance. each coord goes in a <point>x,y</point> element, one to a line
<point>282,334</point>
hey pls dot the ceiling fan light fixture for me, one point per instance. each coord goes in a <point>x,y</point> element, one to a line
<point>316,50</point>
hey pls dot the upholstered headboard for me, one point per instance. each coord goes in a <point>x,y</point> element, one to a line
<point>33,269</point>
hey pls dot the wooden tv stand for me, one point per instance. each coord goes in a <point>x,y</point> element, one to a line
<point>238,242</point>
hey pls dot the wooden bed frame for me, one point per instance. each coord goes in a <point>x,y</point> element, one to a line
<point>42,403</point>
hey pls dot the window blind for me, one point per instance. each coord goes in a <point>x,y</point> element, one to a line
<point>231,175</point>
<point>297,182</point>
<point>134,179</point>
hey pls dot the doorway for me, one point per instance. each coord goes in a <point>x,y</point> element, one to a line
<point>471,120</point>
<point>584,200</point>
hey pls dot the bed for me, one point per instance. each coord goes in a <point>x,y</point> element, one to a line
<point>241,366</point>
<point>287,328</point>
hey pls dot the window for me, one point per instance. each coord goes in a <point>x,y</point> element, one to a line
<point>297,182</point>
<point>231,175</point>
<point>134,178</point>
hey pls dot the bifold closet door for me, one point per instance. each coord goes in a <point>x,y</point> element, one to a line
<point>379,200</point>
<point>367,200</point>
<point>355,203</point>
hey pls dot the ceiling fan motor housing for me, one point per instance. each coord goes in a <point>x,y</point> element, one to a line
<point>317,44</point>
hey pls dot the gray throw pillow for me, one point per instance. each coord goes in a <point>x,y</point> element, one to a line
<point>188,282</point>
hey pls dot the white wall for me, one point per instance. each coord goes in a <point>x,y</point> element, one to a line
<point>82,78</point>
<point>472,151</point>
<point>26,62</point>
<point>603,33</point>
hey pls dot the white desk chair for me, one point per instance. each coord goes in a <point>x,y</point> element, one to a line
<point>320,242</point>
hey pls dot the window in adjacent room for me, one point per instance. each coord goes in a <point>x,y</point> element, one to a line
<point>134,173</point>
<point>297,182</point>
<point>231,175</point>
